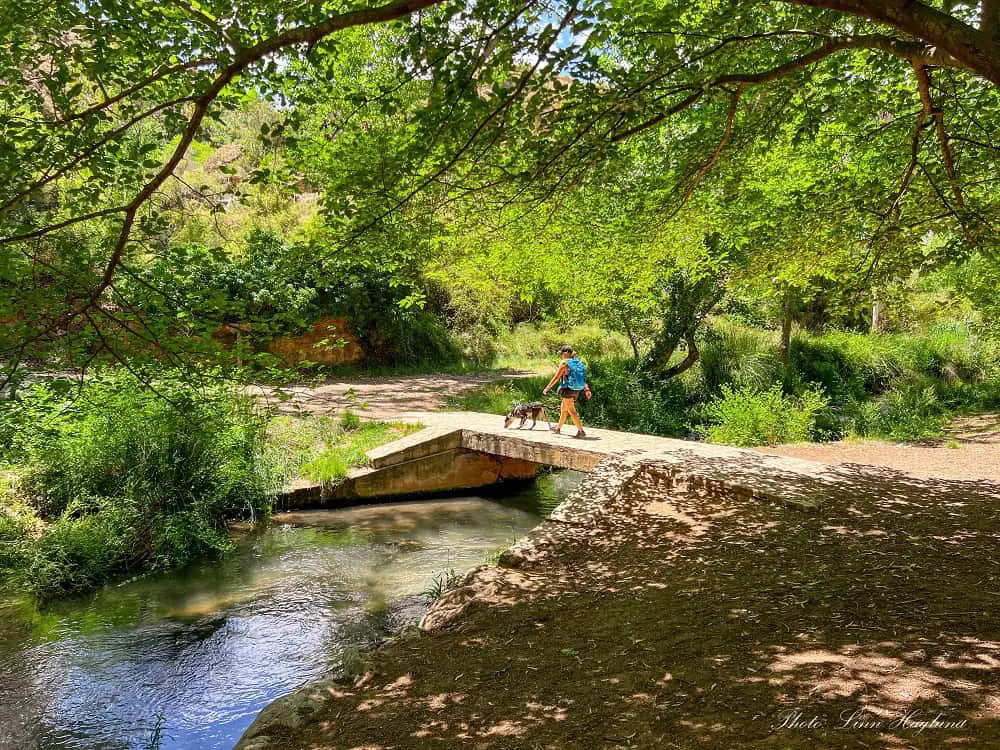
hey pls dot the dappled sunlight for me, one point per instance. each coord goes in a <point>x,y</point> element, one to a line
<point>884,681</point>
<point>671,608</point>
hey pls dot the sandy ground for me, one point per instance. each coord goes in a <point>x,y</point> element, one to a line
<point>970,450</point>
<point>378,397</point>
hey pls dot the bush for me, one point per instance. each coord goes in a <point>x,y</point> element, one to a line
<point>407,337</point>
<point>133,480</point>
<point>855,366</point>
<point>907,412</point>
<point>627,398</point>
<point>17,527</point>
<point>738,356</point>
<point>763,417</point>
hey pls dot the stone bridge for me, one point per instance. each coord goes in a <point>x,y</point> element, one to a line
<point>467,450</point>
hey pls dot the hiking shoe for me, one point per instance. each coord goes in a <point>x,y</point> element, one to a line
<point>580,434</point>
<point>556,430</point>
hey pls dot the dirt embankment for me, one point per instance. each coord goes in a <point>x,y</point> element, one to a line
<point>662,616</point>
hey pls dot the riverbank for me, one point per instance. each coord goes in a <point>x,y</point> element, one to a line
<point>661,616</point>
<point>185,659</point>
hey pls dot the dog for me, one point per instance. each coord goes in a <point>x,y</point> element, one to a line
<point>534,410</point>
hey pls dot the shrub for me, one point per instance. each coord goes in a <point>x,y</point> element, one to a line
<point>739,356</point>
<point>763,417</point>
<point>409,337</point>
<point>17,528</point>
<point>627,398</point>
<point>907,412</point>
<point>130,479</point>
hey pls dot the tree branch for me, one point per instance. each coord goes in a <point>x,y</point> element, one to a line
<point>87,152</point>
<point>135,88</point>
<point>291,37</point>
<point>652,122</point>
<point>965,43</point>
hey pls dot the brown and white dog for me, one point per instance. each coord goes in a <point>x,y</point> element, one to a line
<point>534,410</point>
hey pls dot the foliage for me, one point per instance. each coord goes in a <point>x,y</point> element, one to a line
<point>763,417</point>
<point>406,124</point>
<point>685,296</point>
<point>737,355</point>
<point>855,366</point>
<point>324,449</point>
<point>627,397</point>
<point>263,285</point>
<point>129,479</point>
<point>907,411</point>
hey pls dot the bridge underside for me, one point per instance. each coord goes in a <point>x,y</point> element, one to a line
<point>437,460</point>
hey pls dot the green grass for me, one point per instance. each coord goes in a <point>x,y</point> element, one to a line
<point>534,347</point>
<point>324,449</point>
<point>499,396</point>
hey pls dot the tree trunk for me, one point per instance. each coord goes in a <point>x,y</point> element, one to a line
<point>876,312</point>
<point>786,326</point>
<point>631,336</point>
<point>693,355</point>
<point>976,48</point>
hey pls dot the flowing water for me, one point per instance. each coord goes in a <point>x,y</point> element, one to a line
<point>187,659</point>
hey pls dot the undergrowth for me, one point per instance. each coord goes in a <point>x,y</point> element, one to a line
<point>114,479</point>
<point>900,386</point>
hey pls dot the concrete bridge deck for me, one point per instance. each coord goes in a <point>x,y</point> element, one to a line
<point>466,450</point>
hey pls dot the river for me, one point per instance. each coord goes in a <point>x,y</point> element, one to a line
<point>187,659</point>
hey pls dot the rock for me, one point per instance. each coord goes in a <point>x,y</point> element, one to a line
<point>224,155</point>
<point>285,715</point>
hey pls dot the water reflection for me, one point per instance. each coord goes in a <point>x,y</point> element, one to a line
<point>186,660</point>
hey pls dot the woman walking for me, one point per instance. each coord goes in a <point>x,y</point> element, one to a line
<point>572,379</point>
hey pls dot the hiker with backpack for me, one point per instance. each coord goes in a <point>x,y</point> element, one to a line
<point>572,379</point>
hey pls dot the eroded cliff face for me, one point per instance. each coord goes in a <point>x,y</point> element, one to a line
<point>329,341</point>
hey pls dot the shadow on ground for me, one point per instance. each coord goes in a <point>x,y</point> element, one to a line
<point>682,618</point>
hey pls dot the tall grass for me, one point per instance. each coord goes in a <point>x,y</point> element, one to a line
<point>325,449</point>
<point>123,479</point>
<point>534,346</point>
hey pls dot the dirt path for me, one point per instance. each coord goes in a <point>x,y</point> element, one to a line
<point>969,450</point>
<point>380,397</point>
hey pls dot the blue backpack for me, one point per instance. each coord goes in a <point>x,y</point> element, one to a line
<point>576,376</point>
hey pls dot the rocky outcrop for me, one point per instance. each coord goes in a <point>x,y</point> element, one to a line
<point>329,341</point>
